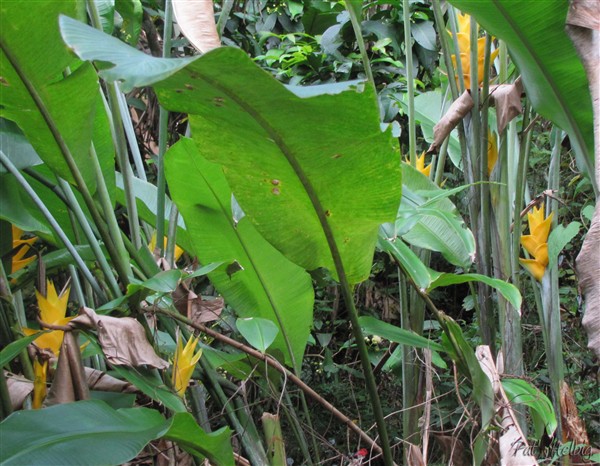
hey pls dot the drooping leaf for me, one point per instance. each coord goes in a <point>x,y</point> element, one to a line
<point>16,146</point>
<point>520,391</point>
<point>507,290</point>
<point>35,95</point>
<point>408,260</point>
<point>373,326</point>
<point>72,433</point>
<point>260,333</point>
<point>264,283</point>
<point>553,76</point>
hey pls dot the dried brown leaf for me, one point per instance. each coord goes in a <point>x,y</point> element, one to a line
<point>123,339</point>
<point>101,381</point>
<point>585,14</point>
<point>69,383</point>
<point>414,456</point>
<point>572,425</point>
<point>197,23</point>
<point>201,310</point>
<point>457,111</point>
<point>507,100</point>
<point>18,389</point>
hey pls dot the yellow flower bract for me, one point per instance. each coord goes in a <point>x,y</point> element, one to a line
<point>53,309</point>
<point>536,243</point>
<point>183,364</point>
<point>19,260</point>
<point>152,246</point>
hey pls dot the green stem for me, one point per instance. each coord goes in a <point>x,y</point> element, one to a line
<point>6,405</point>
<point>354,9</point>
<point>226,7</point>
<point>443,37</point>
<point>163,136</point>
<point>53,224</point>
<point>410,85</point>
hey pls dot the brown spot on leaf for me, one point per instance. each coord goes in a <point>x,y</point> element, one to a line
<point>218,101</point>
<point>189,87</point>
<point>275,182</point>
<point>328,213</point>
<point>3,81</point>
<point>179,91</point>
<point>336,156</point>
<point>276,191</point>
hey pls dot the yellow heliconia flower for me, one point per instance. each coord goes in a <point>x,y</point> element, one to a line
<point>183,364</point>
<point>40,369</point>
<point>464,45</point>
<point>492,155</point>
<point>52,311</point>
<point>19,260</point>
<point>152,246</point>
<point>536,243</point>
<point>421,165</point>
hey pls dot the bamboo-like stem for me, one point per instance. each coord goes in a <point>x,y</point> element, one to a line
<point>73,205</point>
<point>53,224</point>
<point>439,21</point>
<point>278,367</point>
<point>131,139</point>
<point>119,139</point>
<point>410,84</point>
<point>352,6</point>
<point>5,404</point>
<point>163,136</point>
<point>172,235</point>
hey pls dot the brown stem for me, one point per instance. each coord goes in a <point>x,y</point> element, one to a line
<point>280,368</point>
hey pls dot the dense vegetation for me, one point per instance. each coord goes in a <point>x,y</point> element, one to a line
<point>371,215</point>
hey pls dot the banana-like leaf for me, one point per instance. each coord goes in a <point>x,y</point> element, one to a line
<point>553,76</point>
<point>429,220</point>
<point>57,114</point>
<point>93,433</point>
<point>316,176</point>
<point>264,283</point>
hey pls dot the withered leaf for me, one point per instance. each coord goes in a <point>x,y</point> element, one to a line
<point>201,310</point>
<point>457,111</point>
<point>123,339</point>
<point>69,383</point>
<point>507,99</point>
<point>101,381</point>
<point>19,389</point>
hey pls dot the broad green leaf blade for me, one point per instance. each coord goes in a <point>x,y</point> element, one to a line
<point>131,69</point>
<point>314,174</point>
<point>432,224</point>
<point>13,349</point>
<point>519,391</point>
<point>507,290</point>
<point>16,146</point>
<point>559,238</point>
<point>85,432</point>
<point>267,285</point>
<point>260,333</point>
<point>152,386</point>
<point>132,13</point>
<point>56,114</point>
<point>553,75</point>
<point>215,446</point>
<point>408,260</point>
<point>372,326</point>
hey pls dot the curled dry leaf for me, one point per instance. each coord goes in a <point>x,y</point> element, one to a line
<point>101,381</point>
<point>123,339</point>
<point>507,100</point>
<point>19,389</point>
<point>415,457</point>
<point>197,22</point>
<point>69,383</point>
<point>457,111</point>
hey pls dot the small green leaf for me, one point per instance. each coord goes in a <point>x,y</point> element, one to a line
<point>260,333</point>
<point>13,349</point>
<point>409,261</point>
<point>559,238</point>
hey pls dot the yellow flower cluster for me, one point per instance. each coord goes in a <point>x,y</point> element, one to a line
<point>152,246</point>
<point>183,364</point>
<point>536,243</point>
<point>464,46</point>
<point>22,247</point>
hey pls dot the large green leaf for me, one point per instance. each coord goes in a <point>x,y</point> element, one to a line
<point>553,75</point>
<point>266,284</point>
<point>93,433</point>
<point>56,113</point>
<point>373,326</point>
<point>85,432</point>
<point>312,174</point>
<point>316,176</point>
<point>429,220</point>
